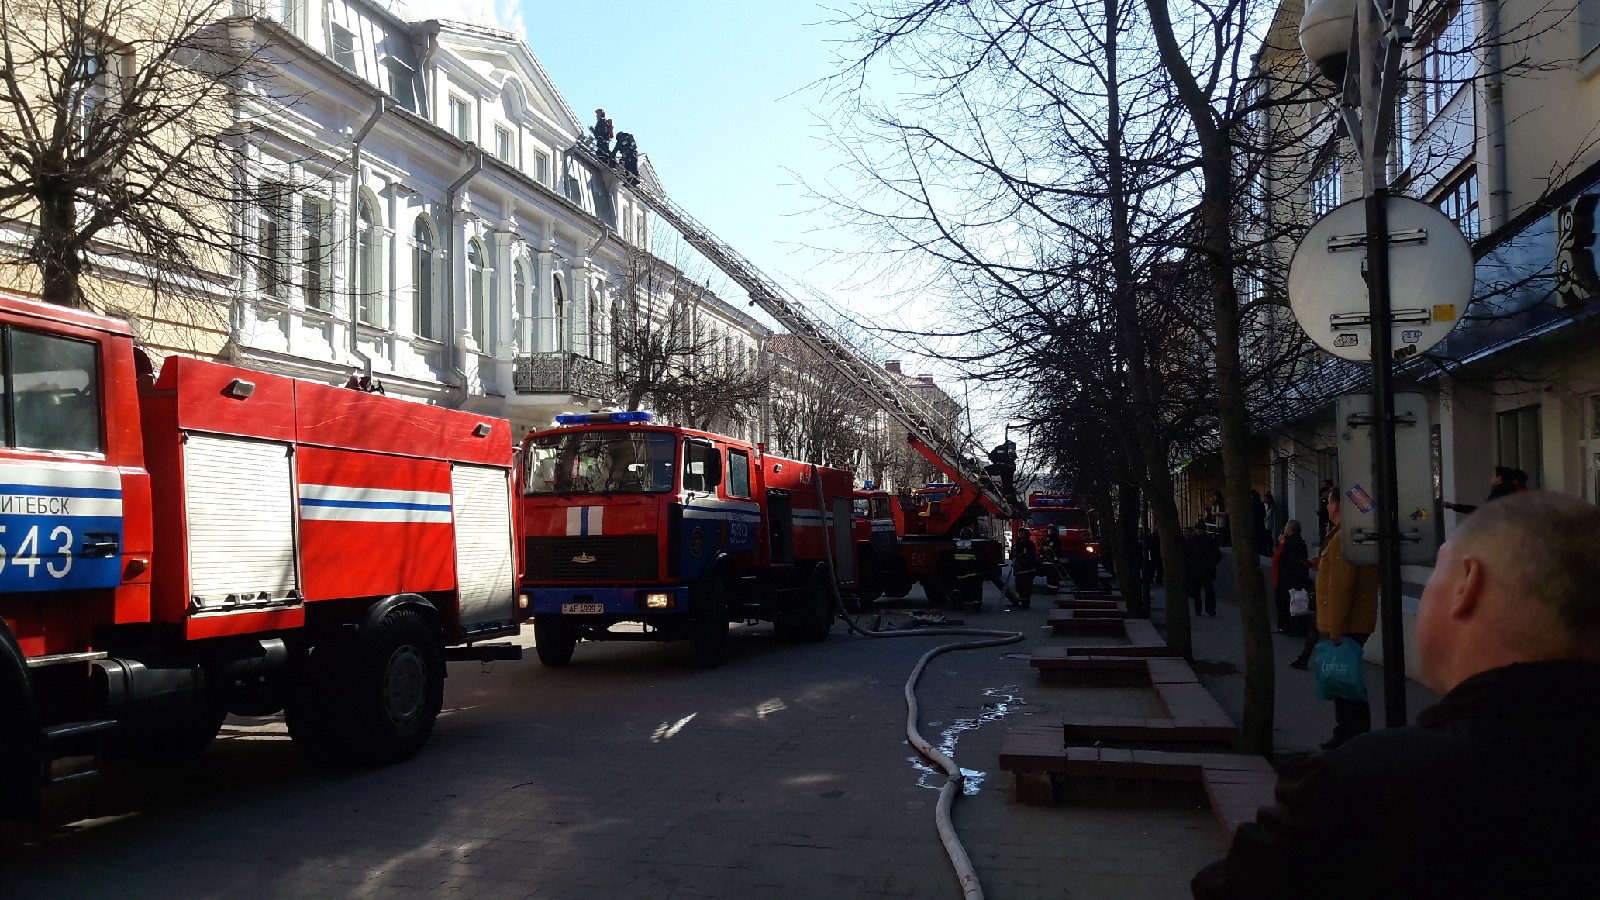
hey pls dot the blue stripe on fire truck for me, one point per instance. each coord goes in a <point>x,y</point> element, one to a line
<point>60,527</point>
<point>585,520</point>
<point>332,502</point>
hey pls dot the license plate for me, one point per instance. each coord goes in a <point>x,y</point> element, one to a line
<point>582,609</point>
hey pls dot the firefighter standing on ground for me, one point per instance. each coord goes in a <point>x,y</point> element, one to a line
<point>1024,565</point>
<point>969,574</point>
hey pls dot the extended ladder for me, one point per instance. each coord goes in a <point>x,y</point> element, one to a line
<point>916,415</point>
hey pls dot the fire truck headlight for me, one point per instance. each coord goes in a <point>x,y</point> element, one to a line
<point>522,601</point>
<point>1092,549</point>
<point>658,601</point>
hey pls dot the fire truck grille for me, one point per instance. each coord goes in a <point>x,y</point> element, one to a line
<point>592,558</point>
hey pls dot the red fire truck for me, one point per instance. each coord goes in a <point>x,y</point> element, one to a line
<point>1064,532</point>
<point>678,530</point>
<point>222,540</point>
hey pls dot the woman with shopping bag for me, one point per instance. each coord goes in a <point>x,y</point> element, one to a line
<point>1289,574</point>
<point>1347,610</point>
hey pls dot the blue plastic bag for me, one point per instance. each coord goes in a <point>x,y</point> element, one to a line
<point>1339,671</point>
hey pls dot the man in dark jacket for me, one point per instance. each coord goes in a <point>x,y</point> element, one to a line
<point>1202,556</point>
<point>1493,792</point>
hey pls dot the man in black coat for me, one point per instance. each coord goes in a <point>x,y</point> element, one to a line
<point>1495,791</point>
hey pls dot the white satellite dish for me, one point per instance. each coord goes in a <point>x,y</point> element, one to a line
<point>1430,279</point>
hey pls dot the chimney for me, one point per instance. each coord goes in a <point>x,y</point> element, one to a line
<point>892,366</point>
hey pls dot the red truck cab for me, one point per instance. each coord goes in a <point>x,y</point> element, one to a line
<point>1062,530</point>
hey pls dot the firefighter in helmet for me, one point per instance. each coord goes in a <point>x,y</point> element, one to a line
<point>969,573</point>
<point>1024,566</point>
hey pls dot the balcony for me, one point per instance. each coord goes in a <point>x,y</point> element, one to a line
<point>561,373</point>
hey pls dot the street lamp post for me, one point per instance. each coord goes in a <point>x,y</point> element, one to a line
<point>1358,44</point>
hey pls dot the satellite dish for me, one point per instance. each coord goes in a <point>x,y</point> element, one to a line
<point>1430,279</point>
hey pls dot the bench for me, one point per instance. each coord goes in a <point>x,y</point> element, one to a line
<point>1235,785</point>
<point>1114,603</point>
<point>1143,640</point>
<point>1087,621</point>
<point>1193,715</point>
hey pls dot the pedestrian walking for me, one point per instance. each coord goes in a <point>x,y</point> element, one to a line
<point>1202,557</point>
<point>1155,573</point>
<point>1322,508</point>
<point>1289,573</point>
<point>1492,794</point>
<point>1347,609</point>
<point>1024,566</point>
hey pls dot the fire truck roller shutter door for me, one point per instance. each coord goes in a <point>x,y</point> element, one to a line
<point>239,500</point>
<point>485,569</point>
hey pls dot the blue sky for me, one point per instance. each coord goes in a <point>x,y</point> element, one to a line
<point>720,95</point>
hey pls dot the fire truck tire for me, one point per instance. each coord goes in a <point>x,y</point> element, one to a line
<point>898,588</point>
<point>21,750</point>
<point>553,641</point>
<point>869,586</point>
<point>708,633</point>
<point>395,691</point>
<point>820,621</point>
<point>312,712</point>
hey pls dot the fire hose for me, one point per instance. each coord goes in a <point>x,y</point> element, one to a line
<point>971,889</point>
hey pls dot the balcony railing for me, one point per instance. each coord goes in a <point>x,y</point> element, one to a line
<point>561,373</point>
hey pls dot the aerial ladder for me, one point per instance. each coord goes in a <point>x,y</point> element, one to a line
<point>916,415</point>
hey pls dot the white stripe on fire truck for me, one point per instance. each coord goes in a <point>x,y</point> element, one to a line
<point>740,513</point>
<point>585,520</point>
<point>340,503</point>
<point>809,517</point>
<point>59,491</point>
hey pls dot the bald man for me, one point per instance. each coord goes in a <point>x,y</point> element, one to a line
<point>1495,792</point>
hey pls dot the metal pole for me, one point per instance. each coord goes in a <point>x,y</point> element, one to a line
<point>1378,95</point>
<point>1383,457</point>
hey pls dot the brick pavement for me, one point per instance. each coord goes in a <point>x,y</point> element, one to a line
<point>632,774</point>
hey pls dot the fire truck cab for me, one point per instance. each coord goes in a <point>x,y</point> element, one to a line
<point>1063,531</point>
<point>678,531</point>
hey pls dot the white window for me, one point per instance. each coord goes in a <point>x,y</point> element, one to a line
<point>1447,61</point>
<point>369,263</point>
<point>1325,188</point>
<point>1400,149</point>
<point>1588,26</point>
<point>639,231</point>
<point>461,119</point>
<point>425,315</point>
<point>342,46</point>
<point>541,167</point>
<point>504,145</point>
<point>402,83</point>
<point>1460,203</point>
<point>89,84</point>
<point>519,292</point>
<point>478,285</point>
<point>316,252</point>
<point>272,241</point>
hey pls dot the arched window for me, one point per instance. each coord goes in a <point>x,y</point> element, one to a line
<point>423,308</point>
<point>478,281</point>
<point>369,263</point>
<point>520,304</point>
<point>592,322</point>
<point>558,307</point>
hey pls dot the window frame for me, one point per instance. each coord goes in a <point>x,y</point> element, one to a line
<point>729,478</point>
<point>8,405</point>
<point>460,111</point>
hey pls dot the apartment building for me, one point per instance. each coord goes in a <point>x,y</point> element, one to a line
<point>1496,126</point>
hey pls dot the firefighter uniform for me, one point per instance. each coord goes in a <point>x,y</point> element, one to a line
<point>1024,566</point>
<point>969,575</point>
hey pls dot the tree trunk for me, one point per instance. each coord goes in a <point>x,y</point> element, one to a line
<point>59,264</point>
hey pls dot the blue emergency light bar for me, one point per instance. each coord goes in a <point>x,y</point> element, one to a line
<point>1054,501</point>
<point>940,484</point>
<point>603,418</point>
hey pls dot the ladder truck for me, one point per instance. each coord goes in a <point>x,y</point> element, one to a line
<point>918,417</point>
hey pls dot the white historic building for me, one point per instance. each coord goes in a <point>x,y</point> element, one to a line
<point>429,215</point>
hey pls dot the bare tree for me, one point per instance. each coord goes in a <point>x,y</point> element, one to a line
<point>666,356</point>
<point>122,144</point>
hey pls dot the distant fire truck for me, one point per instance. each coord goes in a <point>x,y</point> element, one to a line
<point>677,530</point>
<point>222,540</point>
<point>903,543</point>
<point>1064,532</point>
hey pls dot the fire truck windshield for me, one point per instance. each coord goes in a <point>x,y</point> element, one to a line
<point>579,461</point>
<point>1071,517</point>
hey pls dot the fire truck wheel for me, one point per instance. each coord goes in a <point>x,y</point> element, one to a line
<point>396,689</point>
<point>898,588</point>
<point>708,633</point>
<point>869,586</point>
<point>553,641</point>
<point>312,712</point>
<point>820,622</point>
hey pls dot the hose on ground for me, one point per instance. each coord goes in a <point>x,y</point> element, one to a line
<point>971,889</point>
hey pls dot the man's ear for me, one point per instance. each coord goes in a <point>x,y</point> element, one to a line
<point>1470,587</point>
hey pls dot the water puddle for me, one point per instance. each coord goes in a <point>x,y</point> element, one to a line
<point>998,703</point>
